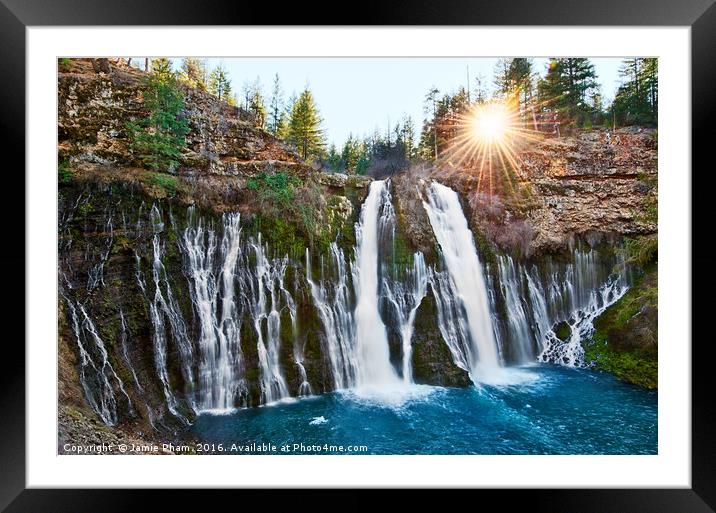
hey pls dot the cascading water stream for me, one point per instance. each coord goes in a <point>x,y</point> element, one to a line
<point>464,294</point>
<point>575,292</point>
<point>406,295</point>
<point>98,378</point>
<point>212,269</point>
<point>264,305</point>
<point>333,302</point>
<point>374,367</point>
<point>304,387</point>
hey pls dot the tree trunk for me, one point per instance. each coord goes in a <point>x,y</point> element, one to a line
<point>103,65</point>
<point>100,65</point>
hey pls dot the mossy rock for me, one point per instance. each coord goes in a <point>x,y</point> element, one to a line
<point>562,330</point>
<point>625,341</point>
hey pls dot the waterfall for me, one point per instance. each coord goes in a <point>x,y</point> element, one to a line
<point>520,330</point>
<point>264,305</point>
<point>304,387</point>
<point>201,280</point>
<point>98,379</point>
<point>374,367</point>
<point>123,336</point>
<point>463,297</point>
<point>576,292</point>
<point>590,284</point>
<point>405,295</point>
<point>212,270</point>
<point>332,299</point>
<point>158,308</point>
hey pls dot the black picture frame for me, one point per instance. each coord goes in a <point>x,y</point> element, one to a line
<point>700,15</point>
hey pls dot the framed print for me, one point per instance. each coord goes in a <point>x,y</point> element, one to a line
<point>418,256</point>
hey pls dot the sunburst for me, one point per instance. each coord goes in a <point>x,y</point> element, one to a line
<point>487,141</point>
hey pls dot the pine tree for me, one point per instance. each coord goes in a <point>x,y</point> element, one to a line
<point>162,69</point>
<point>351,153</point>
<point>566,89</point>
<point>275,107</point>
<point>193,73</point>
<point>334,159</point>
<point>159,138</point>
<point>256,104</point>
<point>650,80</point>
<point>219,83</point>
<point>480,92</point>
<point>429,137</point>
<point>636,101</point>
<point>304,127</point>
<point>501,76</point>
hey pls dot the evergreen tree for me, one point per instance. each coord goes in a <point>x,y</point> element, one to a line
<point>407,136</point>
<point>636,101</point>
<point>351,153</point>
<point>333,159</point>
<point>256,104</point>
<point>193,73</point>
<point>219,83</point>
<point>520,84</point>
<point>159,138</point>
<point>650,80</point>
<point>429,136</point>
<point>480,92</point>
<point>162,69</point>
<point>283,127</point>
<point>501,76</point>
<point>363,162</point>
<point>566,89</point>
<point>276,113</point>
<point>304,127</point>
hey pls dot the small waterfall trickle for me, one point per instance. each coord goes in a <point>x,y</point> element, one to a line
<point>333,300</point>
<point>304,386</point>
<point>123,337</point>
<point>588,292</point>
<point>576,292</point>
<point>374,367</point>
<point>264,304</point>
<point>405,295</point>
<point>463,303</point>
<point>158,309</point>
<point>520,330</point>
<point>98,379</point>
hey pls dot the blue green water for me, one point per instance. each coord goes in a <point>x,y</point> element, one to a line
<point>555,410</point>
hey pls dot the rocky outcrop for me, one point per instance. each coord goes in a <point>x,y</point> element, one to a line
<point>592,184</point>
<point>432,362</point>
<point>94,109</point>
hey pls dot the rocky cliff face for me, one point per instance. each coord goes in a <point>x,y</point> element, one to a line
<point>592,184</point>
<point>94,108</point>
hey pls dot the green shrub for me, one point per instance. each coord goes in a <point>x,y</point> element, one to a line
<point>64,173</point>
<point>641,251</point>
<point>158,139</point>
<point>282,195</point>
<point>167,182</point>
<point>277,189</point>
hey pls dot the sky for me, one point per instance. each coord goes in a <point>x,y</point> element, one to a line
<point>358,95</point>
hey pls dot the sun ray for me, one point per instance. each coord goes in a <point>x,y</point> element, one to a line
<point>488,141</point>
